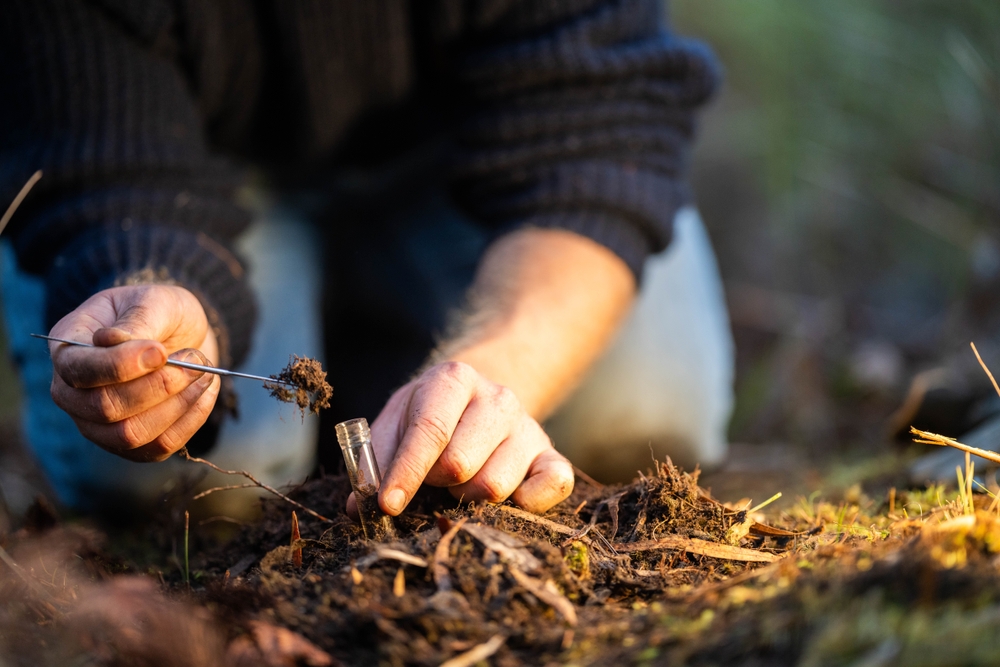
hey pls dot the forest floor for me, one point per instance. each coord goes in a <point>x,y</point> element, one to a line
<point>653,572</point>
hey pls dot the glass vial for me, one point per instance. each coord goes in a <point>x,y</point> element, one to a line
<point>356,443</point>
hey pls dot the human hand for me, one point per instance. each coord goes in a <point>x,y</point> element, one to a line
<point>454,428</point>
<point>121,393</point>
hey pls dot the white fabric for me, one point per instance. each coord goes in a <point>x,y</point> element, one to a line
<point>666,384</point>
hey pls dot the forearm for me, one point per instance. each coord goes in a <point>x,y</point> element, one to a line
<point>544,305</point>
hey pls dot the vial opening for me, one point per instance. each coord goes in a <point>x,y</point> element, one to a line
<point>353,433</point>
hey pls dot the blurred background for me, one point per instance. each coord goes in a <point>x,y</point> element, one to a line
<point>849,173</point>
<point>850,176</point>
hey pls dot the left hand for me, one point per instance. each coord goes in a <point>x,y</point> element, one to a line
<point>454,428</point>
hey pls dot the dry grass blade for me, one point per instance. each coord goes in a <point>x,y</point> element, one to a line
<point>441,576</point>
<point>983,364</point>
<point>587,478</point>
<point>928,438</point>
<point>700,547</point>
<point>476,654</point>
<point>256,482</point>
<point>534,518</point>
<point>18,199</point>
<point>385,553</point>
<point>547,593</point>
<point>770,531</point>
<point>296,537</point>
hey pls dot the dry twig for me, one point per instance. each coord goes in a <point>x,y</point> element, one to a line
<point>385,553</point>
<point>700,547</point>
<point>928,438</point>
<point>256,482</point>
<point>476,654</point>
<point>547,593</point>
<point>25,189</point>
<point>228,487</point>
<point>534,518</point>
<point>441,576</point>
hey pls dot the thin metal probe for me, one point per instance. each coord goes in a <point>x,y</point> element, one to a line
<point>181,364</point>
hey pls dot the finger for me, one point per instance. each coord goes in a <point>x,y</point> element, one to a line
<point>142,429</point>
<point>549,482</point>
<point>504,471</point>
<point>114,402</point>
<point>387,429</point>
<point>182,430</point>
<point>84,368</point>
<point>435,407</point>
<point>485,423</point>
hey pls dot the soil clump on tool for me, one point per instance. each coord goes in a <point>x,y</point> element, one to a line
<point>312,392</point>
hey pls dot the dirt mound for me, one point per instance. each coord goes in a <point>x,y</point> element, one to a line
<point>654,572</point>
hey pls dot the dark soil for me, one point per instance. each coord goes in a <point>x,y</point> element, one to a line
<point>312,392</point>
<point>653,572</point>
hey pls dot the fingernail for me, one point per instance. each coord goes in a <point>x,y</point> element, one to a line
<point>192,357</point>
<point>394,500</point>
<point>152,358</point>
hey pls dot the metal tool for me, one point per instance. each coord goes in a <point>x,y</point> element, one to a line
<point>181,364</point>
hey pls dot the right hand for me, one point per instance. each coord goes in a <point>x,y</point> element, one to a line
<point>121,394</point>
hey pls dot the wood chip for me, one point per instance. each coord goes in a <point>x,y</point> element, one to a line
<point>701,547</point>
<point>476,653</point>
<point>547,593</point>
<point>399,584</point>
<point>510,549</point>
<point>440,566</point>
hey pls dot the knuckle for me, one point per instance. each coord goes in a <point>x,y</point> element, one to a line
<point>106,405</point>
<point>455,466</point>
<point>493,490</point>
<point>506,399</point>
<point>131,433</point>
<point>161,448</point>
<point>457,371</point>
<point>432,428</point>
<point>160,383</point>
<point>70,374</point>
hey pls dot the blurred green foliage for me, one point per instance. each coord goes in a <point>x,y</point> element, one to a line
<point>852,160</point>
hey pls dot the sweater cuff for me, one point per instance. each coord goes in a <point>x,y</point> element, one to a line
<point>613,232</point>
<point>100,259</point>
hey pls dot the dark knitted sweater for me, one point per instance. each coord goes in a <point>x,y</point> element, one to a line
<point>574,114</point>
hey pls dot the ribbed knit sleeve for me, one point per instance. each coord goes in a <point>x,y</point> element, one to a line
<point>130,189</point>
<point>581,117</point>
